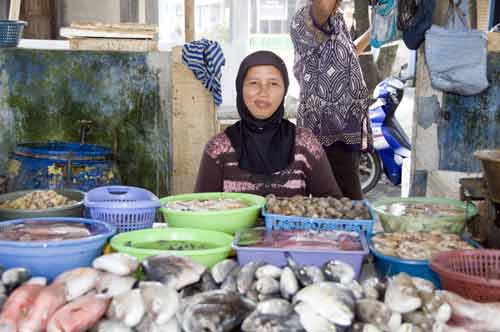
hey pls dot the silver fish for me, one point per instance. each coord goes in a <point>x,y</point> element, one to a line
<point>117,263</point>
<point>214,311</point>
<point>420,318</point>
<point>110,284</point>
<point>289,285</point>
<point>207,282</point>
<point>127,308</point>
<point>176,271</point>
<point>230,283</point>
<point>436,306</point>
<point>401,295</point>
<point>311,274</point>
<point>377,313</point>
<point>246,276</point>
<point>267,297</point>
<point>423,285</point>
<point>14,277</point>
<point>148,325</point>
<point>161,302</point>
<point>107,325</point>
<point>312,321</point>
<point>338,271</point>
<point>268,270</point>
<point>78,281</point>
<point>332,301</point>
<point>363,327</point>
<point>278,307</point>
<point>356,289</point>
<point>257,322</point>
<point>267,285</point>
<point>221,270</point>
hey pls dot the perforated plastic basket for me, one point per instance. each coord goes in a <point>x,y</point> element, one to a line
<point>128,208</point>
<point>473,274</point>
<point>282,222</point>
<point>11,32</point>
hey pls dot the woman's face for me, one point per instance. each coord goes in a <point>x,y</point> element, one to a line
<point>263,90</point>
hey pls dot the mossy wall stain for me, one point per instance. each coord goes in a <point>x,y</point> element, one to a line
<point>474,124</point>
<point>50,91</point>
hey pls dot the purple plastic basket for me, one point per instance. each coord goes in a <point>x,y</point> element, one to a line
<point>283,222</point>
<point>128,208</point>
<point>318,257</point>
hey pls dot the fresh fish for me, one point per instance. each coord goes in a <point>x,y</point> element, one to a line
<point>423,285</point>
<point>176,271</point>
<point>289,285</point>
<point>214,311</point>
<point>434,304</point>
<point>107,325</point>
<point>147,325</point>
<point>78,315</point>
<point>278,307</point>
<point>14,277</point>
<point>363,327</point>
<point>17,305</point>
<point>48,301</point>
<point>127,307</point>
<point>230,283</point>
<point>312,321</point>
<point>311,274</point>
<point>408,327</point>
<point>246,276</point>
<point>332,301</point>
<point>356,289</point>
<point>221,270</point>
<point>338,271</point>
<point>420,319</point>
<point>267,285</point>
<point>268,270</point>
<point>484,317</point>
<point>377,313</point>
<point>257,322</point>
<point>371,288</point>
<point>267,297</point>
<point>110,284</point>
<point>401,295</point>
<point>161,302</point>
<point>207,282</point>
<point>117,263</point>
<point>78,281</point>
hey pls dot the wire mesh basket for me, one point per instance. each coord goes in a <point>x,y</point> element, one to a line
<point>11,32</point>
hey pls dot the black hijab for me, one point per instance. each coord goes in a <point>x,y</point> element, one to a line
<point>263,146</point>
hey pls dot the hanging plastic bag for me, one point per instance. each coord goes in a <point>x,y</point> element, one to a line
<point>414,28</point>
<point>384,22</point>
<point>456,55</point>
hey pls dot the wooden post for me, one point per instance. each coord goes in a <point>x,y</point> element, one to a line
<point>15,9</point>
<point>194,122</point>
<point>189,20</point>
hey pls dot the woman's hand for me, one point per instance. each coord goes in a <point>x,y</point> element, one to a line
<point>323,9</point>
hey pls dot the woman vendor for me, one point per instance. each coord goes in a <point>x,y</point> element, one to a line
<point>264,153</point>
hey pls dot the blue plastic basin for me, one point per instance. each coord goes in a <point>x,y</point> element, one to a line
<point>50,258</point>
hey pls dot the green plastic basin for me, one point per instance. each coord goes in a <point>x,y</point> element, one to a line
<point>228,221</point>
<point>445,224</point>
<point>207,257</point>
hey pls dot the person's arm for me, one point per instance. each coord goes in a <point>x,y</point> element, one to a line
<point>321,11</point>
<point>362,42</point>
<point>210,175</point>
<point>321,181</point>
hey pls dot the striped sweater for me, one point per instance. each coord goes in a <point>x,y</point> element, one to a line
<point>308,174</point>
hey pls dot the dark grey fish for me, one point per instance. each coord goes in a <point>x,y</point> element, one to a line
<point>338,271</point>
<point>230,283</point>
<point>278,307</point>
<point>311,274</point>
<point>221,270</point>
<point>175,271</point>
<point>289,285</point>
<point>207,282</point>
<point>247,276</point>
<point>257,322</point>
<point>214,311</point>
<point>377,313</point>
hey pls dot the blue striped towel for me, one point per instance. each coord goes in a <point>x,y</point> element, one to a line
<point>205,58</point>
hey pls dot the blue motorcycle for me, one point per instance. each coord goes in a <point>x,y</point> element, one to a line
<point>390,142</point>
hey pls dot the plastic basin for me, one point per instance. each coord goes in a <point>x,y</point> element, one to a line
<point>75,210</point>
<point>50,258</point>
<point>451,224</point>
<point>208,257</point>
<point>228,221</point>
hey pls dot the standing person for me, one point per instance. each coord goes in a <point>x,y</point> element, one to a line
<point>333,94</point>
<point>264,153</point>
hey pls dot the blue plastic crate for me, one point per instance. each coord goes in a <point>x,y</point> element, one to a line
<point>282,222</point>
